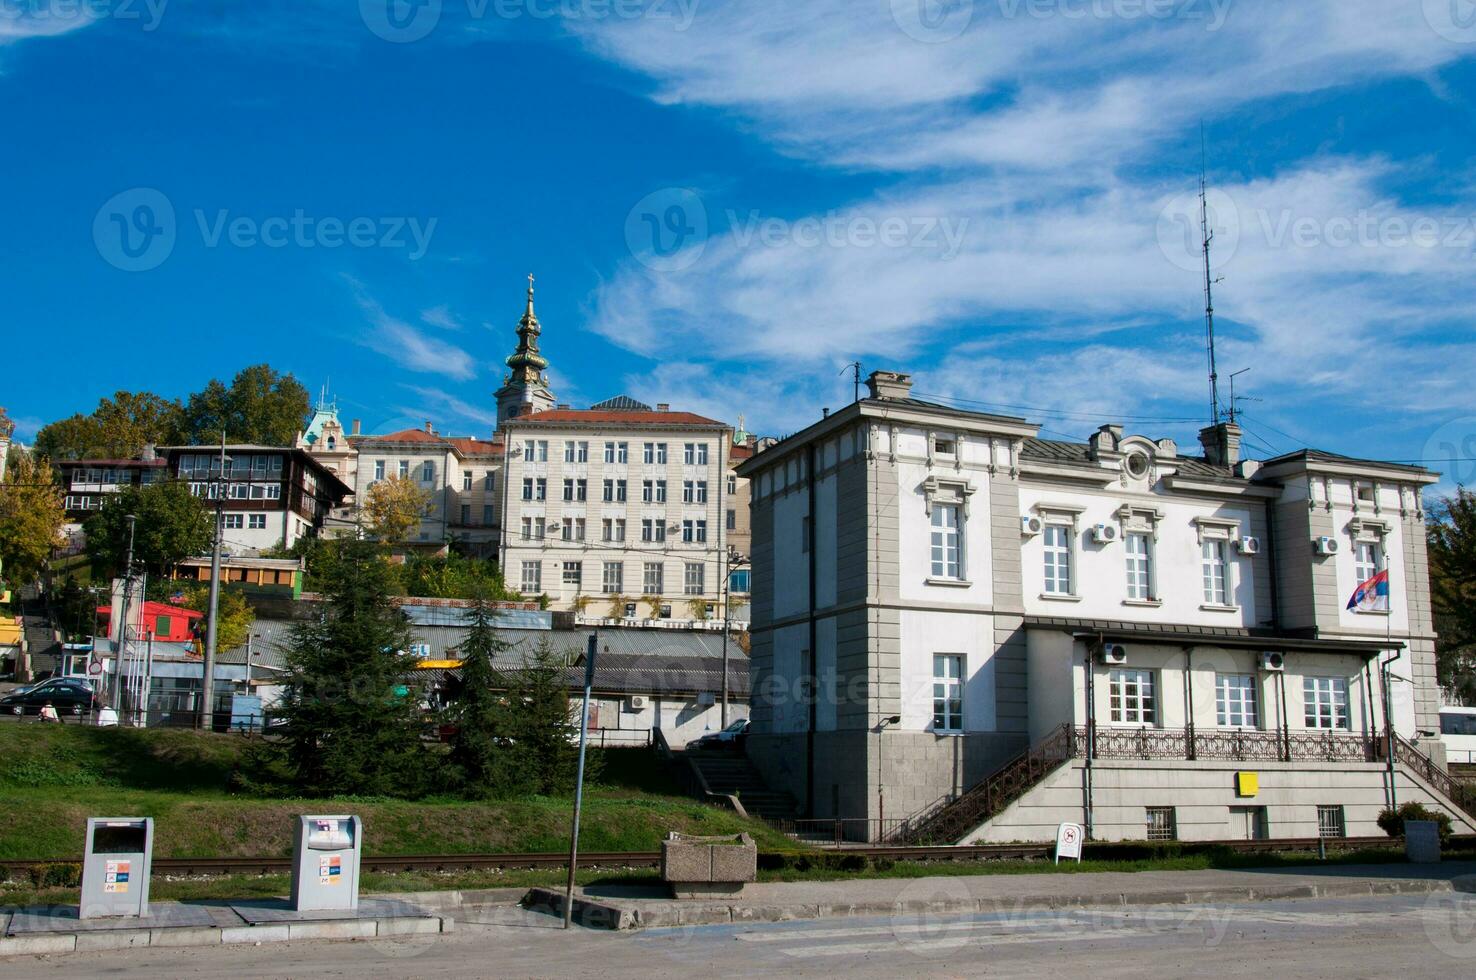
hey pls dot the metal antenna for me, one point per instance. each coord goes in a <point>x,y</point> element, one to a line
<point>1209,298</point>
<point>1235,400</point>
<point>855,368</point>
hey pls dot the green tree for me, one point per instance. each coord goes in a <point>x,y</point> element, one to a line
<point>260,406</point>
<point>31,517</point>
<point>172,524</point>
<point>453,576</point>
<point>351,729</point>
<point>118,428</point>
<point>234,616</point>
<point>482,751</point>
<point>395,507</point>
<point>542,725</point>
<point>1451,535</point>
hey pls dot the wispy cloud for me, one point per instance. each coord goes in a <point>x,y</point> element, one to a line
<point>446,407</point>
<point>405,344</point>
<point>440,316</point>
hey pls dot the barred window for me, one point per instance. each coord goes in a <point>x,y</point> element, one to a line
<point>1161,823</point>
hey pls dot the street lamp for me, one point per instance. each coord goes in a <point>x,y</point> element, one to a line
<point>735,560</point>
<point>881,795</point>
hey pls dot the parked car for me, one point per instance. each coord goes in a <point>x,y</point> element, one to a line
<point>69,695</point>
<point>731,737</point>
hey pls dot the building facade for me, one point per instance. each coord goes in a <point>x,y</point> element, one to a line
<point>620,504</point>
<point>965,632</point>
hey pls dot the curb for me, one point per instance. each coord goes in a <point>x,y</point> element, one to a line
<point>277,932</point>
<point>658,914</point>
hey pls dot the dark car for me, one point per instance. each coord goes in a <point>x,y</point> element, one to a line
<point>731,737</point>
<point>68,695</point>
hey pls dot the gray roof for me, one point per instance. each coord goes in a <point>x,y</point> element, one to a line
<point>919,403</point>
<point>1257,638</point>
<point>620,403</point>
<point>1323,456</point>
<point>1055,451</point>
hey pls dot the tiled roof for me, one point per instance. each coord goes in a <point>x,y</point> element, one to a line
<point>404,435</point>
<point>633,419</point>
<point>478,447</point>
<point>1054,451</point>
<point>740,452</point>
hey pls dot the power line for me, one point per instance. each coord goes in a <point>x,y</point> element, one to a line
<point>1065,416</point>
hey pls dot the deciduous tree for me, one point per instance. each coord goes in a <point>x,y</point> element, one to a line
<point>394,507</point>
<point>172,524</point>
<point>260,406</point>
<point>118,428</point>
<point>31,517</point>
<point>1451,534</point>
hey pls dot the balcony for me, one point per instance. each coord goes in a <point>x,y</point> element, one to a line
<point>1227,745</point>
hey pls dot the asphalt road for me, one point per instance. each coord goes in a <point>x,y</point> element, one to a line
<point>1409,937</point>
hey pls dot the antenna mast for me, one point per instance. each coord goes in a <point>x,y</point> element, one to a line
<point>1209,297</point>
<point>855,368</point>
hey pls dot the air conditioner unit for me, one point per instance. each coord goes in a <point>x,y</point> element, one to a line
<point>1328,546</point>
<point>707,698</point>
<point>1031,526</point>
<point>1248,546</point>
<point>635,703</point>
<point>1104,533</point>
<point>1113,653</point>
<point>1272,661</point>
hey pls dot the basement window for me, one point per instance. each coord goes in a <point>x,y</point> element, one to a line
<point>1161,823</point>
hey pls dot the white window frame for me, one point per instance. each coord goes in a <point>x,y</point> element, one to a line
<point>694,578</point>
<point>1059,558</point>
<point>532,578</point>
<point>1368,560</point>
<point>612,579</point>
<point>1325,704</point>
<point>653,578</point>
<point>1132,697</point>
<point>1138,558</point>
<point>1237,701</point>
<point>945,542</point>
<point>948,693</point>
<point>1214,568</point>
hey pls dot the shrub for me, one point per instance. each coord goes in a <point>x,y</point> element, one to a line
<point>1392,822</point>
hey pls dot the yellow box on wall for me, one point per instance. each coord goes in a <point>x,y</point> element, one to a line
<point>1247,783</point>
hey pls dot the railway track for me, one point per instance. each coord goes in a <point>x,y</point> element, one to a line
<point>651,859</point>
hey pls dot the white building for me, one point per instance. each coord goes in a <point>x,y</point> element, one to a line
<point>617,505</point>
<point>1006,632</point>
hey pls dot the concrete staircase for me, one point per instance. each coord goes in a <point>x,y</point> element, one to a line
<point>728,772</point>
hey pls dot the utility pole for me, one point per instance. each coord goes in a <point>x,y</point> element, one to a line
<point>206,717</point>
<point>589,671</point>
<point>122,623</point>
<point>855,368</point>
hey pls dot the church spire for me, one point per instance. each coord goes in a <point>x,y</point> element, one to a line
<point>525,388</point>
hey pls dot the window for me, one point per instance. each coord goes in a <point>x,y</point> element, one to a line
<point>607,494</point>
<point>695,454</point>
<point>1367,561</point>
<point>620,491</point>
<point>648,454</point>
<point>540,489</point>
<point>661,491</point>
<point>568,452</point>
<point>489,515</point>
<point>465,514</point>
<point>732,520</point>
<point>542,450</point>
<point>527,488</point>
<point>738,580</point>
<point>1215,592</point>
<point>574,574</point>
<point>694,531</point>
<point>609,452</point>
<point>613,581</point>
<point>234,521</point>
<point>538,528</point>
<point>466,479</point>
<point>619,529</point>
<point>256,522</point>
<point>653,578</point>
<point>1330,821</point>
<point>428,472</point>
<point>1130,696</point>
<point>1235,700</point>
<point>694,578</point>
<point>579,526</point>
<point>945,542</point>
<point>576,490</point>
<point>617,452</point>
<point>379,469</point>
<point>1138,548</point>
<point>1161,823</point>
<point>1057,559</point>
<point>532,582</point>
<point>1325,702</point>
<point>687,491</point>
<point>732,485</point>
<point>489,482</point>
<point>661,454</point>
<point>653,530</point>
<point>527,529</point>
<point>947,693</point>
<point>612,529</point>
<point>648,491</point>
<point>701,491</point>
<point>945,447</point>
<point>404,469</point>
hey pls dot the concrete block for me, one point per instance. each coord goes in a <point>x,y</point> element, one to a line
<point>333,929</point>
<point>33,945</point>
<point>403,926</point>
<point>734,863</point>
<point>251,935</point>
<point>112,939</point>
<point>189,936</point>
<point>1422,841</point>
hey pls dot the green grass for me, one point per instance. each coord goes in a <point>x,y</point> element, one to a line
<point>53,777</point>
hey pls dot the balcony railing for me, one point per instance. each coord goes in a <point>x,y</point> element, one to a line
<point>1227,745</point>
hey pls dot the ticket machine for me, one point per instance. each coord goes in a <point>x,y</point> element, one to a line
<point>325,862</point>
<point>115,867</point>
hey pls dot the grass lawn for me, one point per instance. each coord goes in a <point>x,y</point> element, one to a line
<point>53,777</point>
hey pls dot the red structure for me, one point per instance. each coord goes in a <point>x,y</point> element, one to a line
<point>167,623</point>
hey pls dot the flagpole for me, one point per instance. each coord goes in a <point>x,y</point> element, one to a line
<point>1388,695</point>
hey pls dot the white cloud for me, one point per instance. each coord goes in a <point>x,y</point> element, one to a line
<point>440,316</point>
<point>406,345</point>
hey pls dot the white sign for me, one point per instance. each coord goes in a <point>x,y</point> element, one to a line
<point>1069,838</point>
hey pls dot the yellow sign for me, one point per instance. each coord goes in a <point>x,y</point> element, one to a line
<point>437,664</point>
<point>1247,783</point>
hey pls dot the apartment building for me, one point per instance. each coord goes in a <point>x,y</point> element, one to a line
<point>619,504</point>
<point>1002,632</point>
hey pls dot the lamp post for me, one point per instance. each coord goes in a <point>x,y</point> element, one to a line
<point>735,560</point>
<point>881,793</point>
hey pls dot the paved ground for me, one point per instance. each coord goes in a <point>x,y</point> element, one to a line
<point>1407,936</point>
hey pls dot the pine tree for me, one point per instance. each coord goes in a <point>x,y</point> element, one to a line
<point>1452,544</point>
<point>480,753</point>
<point>351,727</point>
<point>543,725</point>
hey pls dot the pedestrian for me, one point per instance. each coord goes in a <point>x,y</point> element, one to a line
<point>48,713</point>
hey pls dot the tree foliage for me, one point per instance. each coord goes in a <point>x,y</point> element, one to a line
<point>118,428</point>
<point>31,517</point>
<point>260,406</point>
<point>172,524</point>
<point>351,728</point>
<point>394,507</point>
<point>234,616</point>
<point>542,724</point>
<point>1451,534</point>
<point>481,751</point>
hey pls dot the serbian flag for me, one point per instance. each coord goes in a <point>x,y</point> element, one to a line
<point>1373,595</point>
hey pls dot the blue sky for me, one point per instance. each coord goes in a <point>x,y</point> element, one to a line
<point>725,203</point>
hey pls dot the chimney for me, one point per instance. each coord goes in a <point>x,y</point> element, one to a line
<point>356,426</point>
<point>150,452</point>
<point>1221,444</point>
<point>428,427</point>
<point>825,413</point>
<point>889,385</point>
<point>1106,439</point>
<point>663,407</point>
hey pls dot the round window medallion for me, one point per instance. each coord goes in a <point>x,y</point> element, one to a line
<point>1137,465</point>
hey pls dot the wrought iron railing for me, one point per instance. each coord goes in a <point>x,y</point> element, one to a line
<point>1228,745</point>
<point>1421,765</point>
<point>947,823</point>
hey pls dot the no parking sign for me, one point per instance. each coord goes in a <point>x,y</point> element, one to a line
<point>1069,837</point>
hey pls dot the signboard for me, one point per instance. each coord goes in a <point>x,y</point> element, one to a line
<point>1069,839</point>
<point>1247,783</point>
